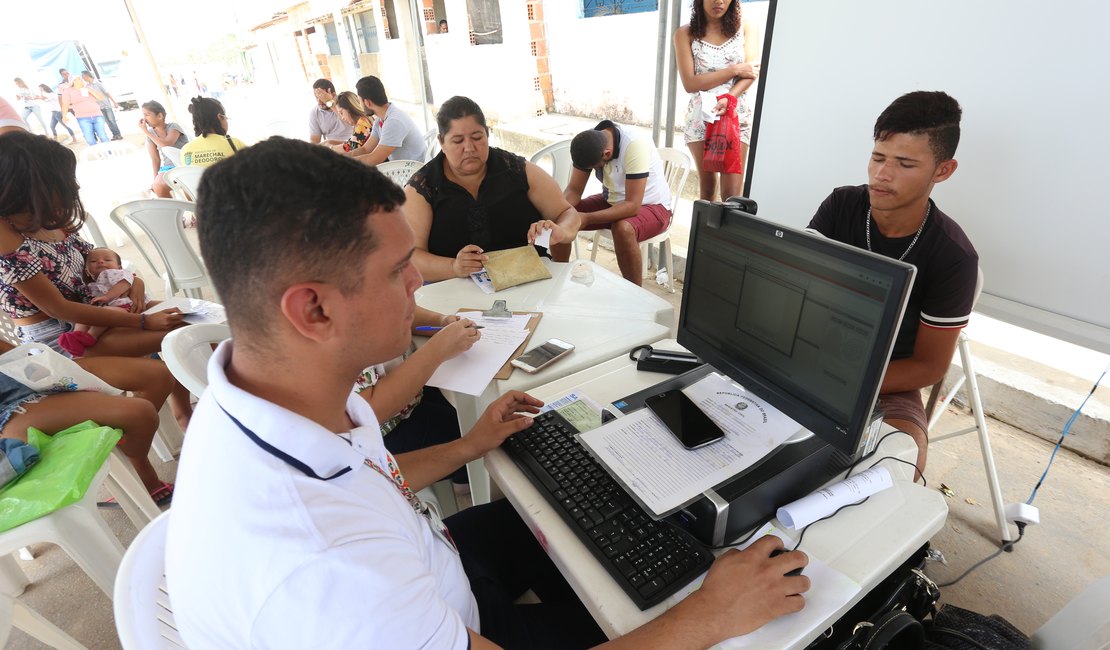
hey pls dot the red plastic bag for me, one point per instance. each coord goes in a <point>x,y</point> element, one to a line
<point>722,142</point>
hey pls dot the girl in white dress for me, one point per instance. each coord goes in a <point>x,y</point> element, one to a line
<point>713,54</point>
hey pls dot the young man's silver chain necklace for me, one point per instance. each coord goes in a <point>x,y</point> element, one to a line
<point>928,211</point>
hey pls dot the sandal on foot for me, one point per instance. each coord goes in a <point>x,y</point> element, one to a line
<point>162,495</point>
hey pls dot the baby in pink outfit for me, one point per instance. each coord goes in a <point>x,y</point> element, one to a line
<point>111,286</point>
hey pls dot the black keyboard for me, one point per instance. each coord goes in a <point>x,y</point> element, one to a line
<point>649,559</point>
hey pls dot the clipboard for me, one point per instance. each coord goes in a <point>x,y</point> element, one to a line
<point>507,370</point>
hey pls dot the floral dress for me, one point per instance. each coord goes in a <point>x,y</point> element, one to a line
<point>372,375</point>
<point>62,262</point>
<point>359,136</point>
<point>710,58</point>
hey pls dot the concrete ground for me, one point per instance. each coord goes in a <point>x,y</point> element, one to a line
<point>1054,562</point>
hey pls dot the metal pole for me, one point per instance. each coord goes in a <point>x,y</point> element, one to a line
<point>660,62</point>
<point>672,76</point>
<point>150,58</point>
<point>421,60</point>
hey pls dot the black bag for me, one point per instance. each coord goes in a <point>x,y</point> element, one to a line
<point>956,628</point>
<point>890,615</point>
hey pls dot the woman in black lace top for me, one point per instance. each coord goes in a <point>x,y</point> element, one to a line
<point>473,198</point>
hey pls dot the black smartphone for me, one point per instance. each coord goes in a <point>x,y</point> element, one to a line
<point>687,422</point>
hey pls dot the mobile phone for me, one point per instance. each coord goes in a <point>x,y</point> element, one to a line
<point>542,356</point>
<point>687,422</point>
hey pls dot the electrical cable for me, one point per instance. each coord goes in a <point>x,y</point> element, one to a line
<point>1064,434</point>
<point>1008,546</point>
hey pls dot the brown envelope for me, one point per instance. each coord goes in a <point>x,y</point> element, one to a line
<point>513,266</point>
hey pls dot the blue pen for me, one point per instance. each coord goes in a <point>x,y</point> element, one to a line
<point>429,328</point>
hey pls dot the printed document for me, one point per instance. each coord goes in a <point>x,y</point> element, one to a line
<point>195,310</point>
<point>472,371</point>
<point>663,475</point>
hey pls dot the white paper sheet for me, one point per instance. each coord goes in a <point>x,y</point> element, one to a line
<point>643,454</point>
<point>472,371</point>
<point>543,239</point>
<point>829,591</point>
<point>827,500</point>
<point>196,311</point>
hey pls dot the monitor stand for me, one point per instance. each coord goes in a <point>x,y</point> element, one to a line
<point>797,467</point>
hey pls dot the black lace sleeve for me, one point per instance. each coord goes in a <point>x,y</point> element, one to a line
<point>423,180</point>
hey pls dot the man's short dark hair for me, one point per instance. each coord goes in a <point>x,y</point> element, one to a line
<point>86,73</point>
<point>325,84</point>
<point>932,113</point>
<point>587,148</point>
<point>373,89</point>
<point>282,212</point>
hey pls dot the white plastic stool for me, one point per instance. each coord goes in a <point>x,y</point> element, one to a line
<point>15,613</point>
<point>80,531</point>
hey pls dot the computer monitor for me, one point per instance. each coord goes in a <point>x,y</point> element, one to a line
<point>804,322</point>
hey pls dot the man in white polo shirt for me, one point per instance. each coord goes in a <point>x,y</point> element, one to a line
<point>635,200</point>
<point>292,526</point>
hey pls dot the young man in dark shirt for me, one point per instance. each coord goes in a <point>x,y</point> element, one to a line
<point>915,141</point>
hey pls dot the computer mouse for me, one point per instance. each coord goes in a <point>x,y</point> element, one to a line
<point>779,551</point>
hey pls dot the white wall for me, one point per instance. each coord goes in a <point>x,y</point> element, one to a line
<point>1030,187</point>
<point>498,76</point>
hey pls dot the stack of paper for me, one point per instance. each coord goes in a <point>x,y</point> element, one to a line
<point>641,453</point>
<point>471,371</point>
<point>195,310</point>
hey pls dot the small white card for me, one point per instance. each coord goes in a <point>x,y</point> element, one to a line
<point>544,238</point>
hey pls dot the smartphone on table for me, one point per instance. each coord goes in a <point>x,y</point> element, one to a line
<point>542,356</point>
<point>687,422</point>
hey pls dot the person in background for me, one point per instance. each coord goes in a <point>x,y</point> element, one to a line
<point>713,55</point>
<point>212,143</point>
<point>9,119</point>
<point>173,85</point>
<point>915,142</point>
<point>443,26</point>
<point>57,116</point>
<point>83,100</point>
<point>32,103</point>
<point>635,204</point>
<point>160,135</point>
<point>394,135</point>
<point>105,101</point>
<point>64,74</point>
<point>454,224</point>
<point>350,109</point>
<point>324,124</point>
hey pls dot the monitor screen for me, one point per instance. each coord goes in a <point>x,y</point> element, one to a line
<point>805,322</point>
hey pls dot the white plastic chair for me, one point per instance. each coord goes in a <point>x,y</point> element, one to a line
<point>80,531</point>
<point>123,482</point>
<point>676,167</point>
<point>144,618</point>
<point>183,182</point>
<point>560,167</point>
<point>161,220</point>
<point>186,352</point>
<point>431,144</point>
<point>173,154</point>
<point>936,404</point>
<point>399,171</point>
<point>109,150</point>
<point>559,153</point>
<point>1082,624</point>
<point>14,613</point>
